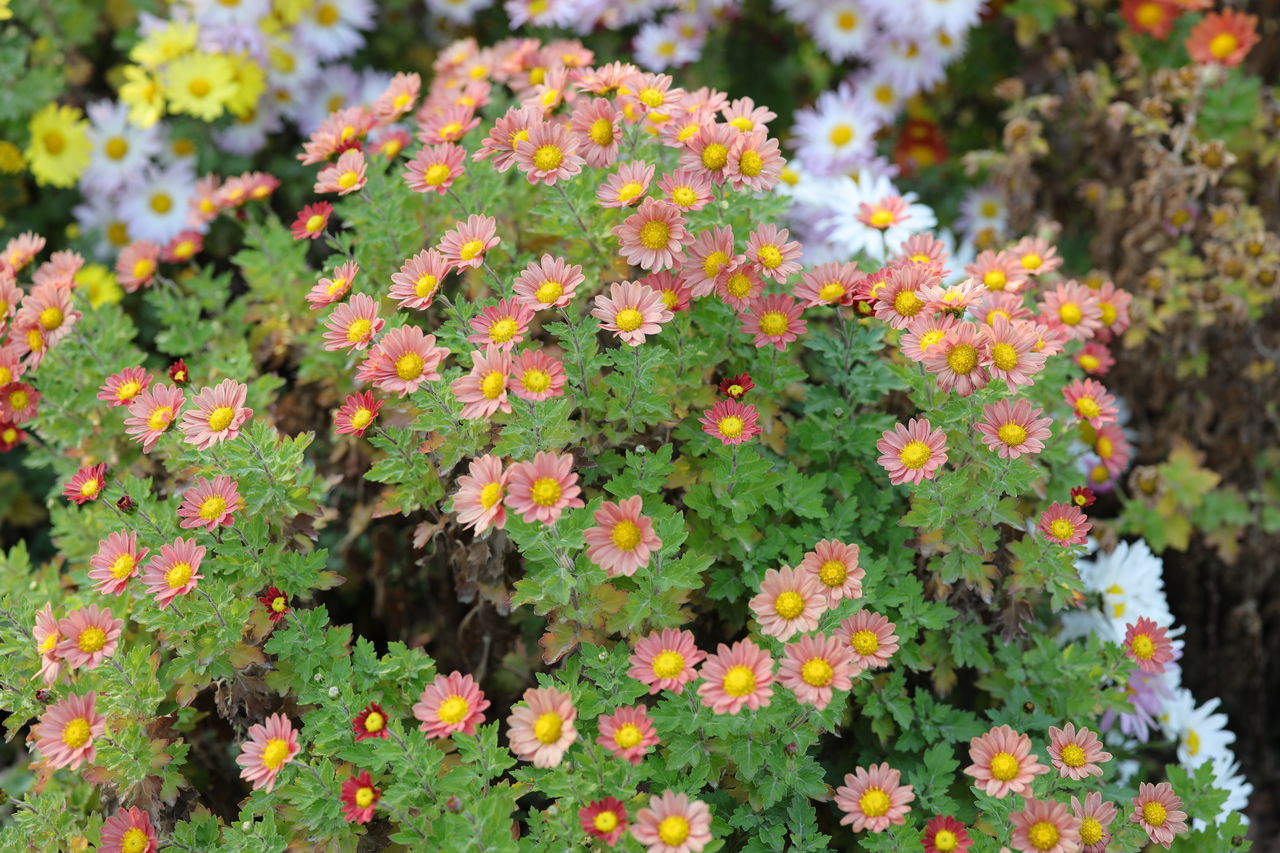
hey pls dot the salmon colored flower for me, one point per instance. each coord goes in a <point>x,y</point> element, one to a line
<point>541,730</point>
<point>276,601</point>
<point>478,501</point>
<point>467,242</point>
<point>1154,17</point>
<point>87,484</point>
<point>18,403</point>
<point>873,798</point>
<point>174,571</point>
<point>673,823</point>
<point>755,162</point>
<point>503,325</point>
<point>1113,303</point>
<point>543,489</point>
<point>654,236</point>
<point>831,283</point>
<point>312,221</point>
<point>359,798</point>
<point>772,253</point>
<point>627,733</point>
<point>483,391</point>
<point>834,565</point>
<point>1045,827</point>
<point>371,722</point>
<point>452,703</point>
<point>997,305</point>
<point>1064,524</point>
<point>1003,762</point>
<point>343,177</point>
<point>1148,645</point>
<point>870,638</point>
<point>45,633</point>
<point>329,289</point>
<point>622,539</point>
<point>508,131</point>
<point>709,256</point>
<point>627,186</point>
<point>997,271</point>
<point>813,666</point>
<point>11,435</point>
<point>735,677</point>
<point>739,285</point>
<point>434,168</point>
<point>1076,753</point>
<point>776,319</point>
<point>631,311</point>
<point>418,281</point>
<point>21,250</point>
<point>1073,309</point>
<point>353,325</point>
<point>450,125</point>
<point>676,295</point>
<point>128,831</point>
<point>64,736</point>
<point>958,360</point>
<point>1158,810</point>
<point>218,414</point>
<point>945,834</point>
<point>912,453</point>
<point>152,412</point>
<point>549,154</point>
<point>210,503</point>
<point>122,388</point>
<point>1035,256</point>
<point>137,264</point>
<point>184,246</point>
<point>356,414</point>
<point>1095,818</point>
<point>790,601</point>
<point>686,189</point>
<point>548,283</point>
<point>731,422</point>
<point>901,302</point>
<point>923,249</point>
<point>88,636</point>
<point>402,360</point>
<point>604,820</point>
<point>594,125</point>
<point>48,307</point>
<point>116,562</point>
<point>1091,402</point>
<point>1224,38</point>
<point>271,745</point>
<point>12,367</point>
<point>1113,449</point>
<point>666,660</point>
<point>706,152</point>
<point>1008,352</point>
<point>1012,428</point>
<point>178,373</point>
<point>536,376</point>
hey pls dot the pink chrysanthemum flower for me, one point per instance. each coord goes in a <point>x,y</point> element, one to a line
<point>398,98</point>
<point>344,177</point>
<point>184,246</point>
<point>116,562</point>
<point>957,360</point>
<point>731,421</point>
<point>508,131</point>
<point>1158,810</point>
<point>832,283</point>
<point>137,264</point>
<point>901,302</point>
<point>18,403</point>
<point>1148,645</point>
<point>48,307</point>
<point>478,501</point>
<point>548,283</point>
<point>945,834</point>
<point>452,703</point>
<point>954,299</point>
<point>631,311</point>
<point>790,601</point>
<point>483,391</point>
<point>654,236</point>
<point>152,412</point>
<point>1065,524</point>
<point>743,114</point>
<point>627,733</point>
<point>1095,819</point>
<point>622,539</point>
<point>1094,358</point>
<point>402,360</point>
<point>834,565</point>
<point>1008,352</point>
<point>356,414</point>
<point>773,255</point>
<point>738,285</point>
<point>1076,753</point>
<point>627,186</point>
<point>1113,449</point>
<point>329,289</point>
<point>1001,305</point>
<point>873,798</point>
<point>924,333</point>
<point>418,281</point>
<point>870,638</point>
<point>912,453</point>
<point>271,745</point>
<point>21,250</point>
<point>371,722</point>
<point>64,736</point>
<point>686,189</point>
<point>1045,826</point>
<point>45,633</point>
<point>755,162</point>
<point>1222,38</point>
<point>676,295</point>
<point>467,242</point>
<point>218,414</point>
<point>1073,309</point>
<point>666,660</point>
<point>775,319</point>
<point>88,636</point>
<point>707,151</point>
<point>359,797</point>
<point>604,820</point>
<point>449,125</point>
<point>1012,428</point>
<point>998,271</point>
<point>884,213</point>
<point>174,571</point>
<point>210,503</point>
<point>353,325</point>
<point>312,221</point>
<point>1035,256</point>
<point>121,388</point>
<point>1113,305</point>
<point>1091,402</point>
<point>543,489</point>
<point>735,677</point>
<point>434,168</point>
<point>536,376</point>
<point>128,831</point>
<point>87,484</point>
<point>813,666</point>
<point>549,154</point>
<point>1049,339</point>
<point>541,730</point>
<point>594,124</point>
<point>1003,762</point>
<point>503,325</point>
<point>651,93</point>
<point>673,823</point>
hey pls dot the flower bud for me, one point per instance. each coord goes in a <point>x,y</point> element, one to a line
<point>126,504</point>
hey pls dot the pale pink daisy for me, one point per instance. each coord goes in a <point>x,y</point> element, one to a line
<point>137,264</point>
<point>870,639</point>
<point>467,242</point>
<point>773,254</point>
<point>1009,352</point>
<point>508,131</point>
<point>665,660</point>
<point>483,391</point>
<point>1113,303</point>
<point>329,289</point>
<point>924,333</point>
<point>45,634</point>
<point>503,325</point>
<point>452,703</point>
<point>594,123</point>
<point>86,484</point>
<point>88,636</point>
<point>709,255</point>
<point>954,299</point>
<point>548,283</point>
<point>912,453</point>
<point>397,99</point>
<point>737,677</point>
<point>217,416</point>
<point>743,114</point>
<point>210,503</point>
<point>1050,340</point>
<point>957,360</point>
<point>128,831</point>
<point>706,152</point>
<point>631,311</point>
<point>1003,762</point>
<point>996,305</point>
<point>652,93</point>
<point>1158,810</point>
<point>627,186</point>
<point>1073,309</point>
<point>739,284</point>
<point>401,360</point>
<point>449,125</point>
<point>18,402</point>
<point>1065,524</point>
<point>21,250</point>
<point>831,283</point>
<point>1095,818</point>
<point>343,177</point>
<point>622,539</point>
<point>271,745</point>
<point>998,271</point>
<point>541,490</point>
<point>676,294</point>
<point>1091,402</point>
<point>673,823</point>
<point>541,730</point>
<point>1045,826</point>
<point>1094,358</point>
<point>152,412</point>
<point>48,307</point>
<point>883,213</point>
<point>627,733</point>
<point>1035,256</point>
<point>174,571</point>
<point>418,281</point>
<point>686,189</point>
<point>813,666</point>
<point>755,162</point>
<point>923,249</point>
<point>654,236</point>
<point>116,562</point>
<point>356,414</point>
<point>1013,428</point>
<point>434,168</point>
<point>1076,753</point>
<point>353,325</point>
<point>1148,645</point>
<point>834,565</point>
<point>790,601</point>
<point>901,302</point>
<point>536,376</point>
<point>1113,449</point>
<point>873,798</point>
<point>64,736</point>
<point>122,388</point>
<point>549,154</point>
<point>478,501</point>
<point>775,319</point>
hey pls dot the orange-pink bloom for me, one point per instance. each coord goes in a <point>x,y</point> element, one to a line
<point>434,168</point>
<point>137,264</point>
<point>152,412</point>
<point>813,666</point>
<point>466,243</point>
<point>631,311</point>
<point>478,501</point>
<point>958,359</point>
<point>1003,762</point>
<point>627,733</point>
<point>483,391</point>
<point>174,571</point>
<point>627,186</point>
<point>1035,256</point>
<point>790,601</point>
<point>356,414</point>
<point>271,745</point>
<point>116,562</point>
<point>1008,351</point>
<point>731,421</point>
<point>1045,826</point>
<point>686,189</point>
<point>622,539</point>
<point>736,677</point>
<point>541,730</point>
<point>666,660</point>
<point>503,325</point>
<point>912,453</point>
<point>122,388</point>
<point>874,798</point>
<point>418,281</point>
<point>870,638</point>
<point>594,124</point>
<point>673,823</point>
<point>210,503</point>
<point>86,484</point>
<point>452,703</point>
<point>1095,819</point>
<point>1076,753</point>
<point>1065,524</point>
<point>88,636</point>
<point>128,831</point>
<point>402,360</point>
<point>834,565</point>
<point>654,236</point>
<point>541,490</point>
<point>45,634</point>
<point>1012,428</point>
<point>1158,810</point>
<point>1148,645</point>
<point>776,319</point>
<point>329,289</point>
<point>548,283</point>
<point>64,736</point>
<point>1224,38</point>
<point>217,416</point>
<point>1091,402</point>
<point>353,325</point>
<point>343,177</point>
<point>831,283</point>
<point>549,154</point>
<point>537,376</point>
<point>1073,309</point>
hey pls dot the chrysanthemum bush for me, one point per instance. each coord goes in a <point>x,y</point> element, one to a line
<point>787,544</point>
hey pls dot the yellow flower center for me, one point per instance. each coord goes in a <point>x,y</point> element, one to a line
<point>1154,813</point>
<point>134,841</point>
<point>668,664</point>
<point>931,338</point>
<point>742,123</point>
<point>606,821</point>
<point>731,426</point>
<point>907,303</point>
<point>548,292</point>
<point>628,191</point>
<point>750,164</point>
<point>51,317</point>
<point>348,179</point>
<point>49,642</point>
<point>865,642</point>
<point>18,400</point>
<point>91,487</point>
<point>1144,648</point>
<point>945,840</point>
<point>401,101</point>
<point>490,494</point>
<point>362,418</point>
<point>1072,755</point>
<point>840,135</point>
<point>1090,831</point>
<point>739,681</point>
<point>493,385</point>
<point>627,735</point>
<point>651,97</point>
<point>1043,835</point>
<point>220,418</point>
<point>161,203</point>
<point>1149,15</point>
<point>275,752</point>
<point>1004,356</point>
<point>122,566</point>
<point>178,575</point>
<point>625,535</point>
<point>451,131</point>
<point>213,507</point>
<point>770,257</point>
<point>601,131</point>
<point>1192,741</point>
<point>789,604</point>
<point>278,604</point>
<point>881,219</point>
<point>1223,45</point>
<point>963,358</point>
<point>359,330</point>
<point>546,491</point>
<point>91,639</point>
<point>116,147</point>
<point>1070,313</point>
<point>833,573</point>
<point>454,709</point>
<point>160,418</point>
<point>548,727</point>
<point>714,156</point>
<point>817,672</point>
<point>1012,434</point>
<point>184,250</point>
<point>830,292</point>
<point>1088,407</point>
<point>670,298</point>
<point>76,733</point>
<point>374,722</point>
<point>143,267</point>
<point>1004,767</point>
<point>915,454</point>
<point>673,830</point>
<point>409,366</point>
<point>470,249</point>
<point>1108,313</point>
<point>364,797</point>
<point>1060,528</point>
<point>773,323</point>
<point>628,320</point>
<point>738,285</point>
<point>995,279</point>
<point>684,196</point>
<point>874,802</point>
<point>435,174</point>
<point>535,381</point>
<point>1031,261</point>
<point>327,15</point>
<point>425,285</point>
<point>548,157</point>
<point>846,21</point>
<point>314,223</point>
<point>655,234</point>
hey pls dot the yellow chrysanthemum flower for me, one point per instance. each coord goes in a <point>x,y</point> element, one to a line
<point>11,161</point>
<point>251,82</point>
<point>141,92</point>
<point>100,283</point>
<point>165,45</point>
<point>200,84</point>
<point>60,148</point>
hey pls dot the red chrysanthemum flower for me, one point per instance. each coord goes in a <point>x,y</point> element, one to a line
<point>359,798</point>
<point>605,820</point>
<point>276,601</point>
<point>370,722</point>
<point>736,387</point>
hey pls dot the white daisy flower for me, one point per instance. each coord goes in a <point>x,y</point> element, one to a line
<point>911,64</point>
<point>1131,582</point>
<point>659,46</point>
<point>331,28</point>
<point>457,11</point>
<point>120,149</point>
<point>212,14</point>
<point>903,215</point>
<point>836,132</point>
<point>156,206</point>
<point>842,29</point>
<point>983,209</point>
<point>247,134</point>
<point>103,225</point>
<point>336,87</point>
<point>1202,735</point>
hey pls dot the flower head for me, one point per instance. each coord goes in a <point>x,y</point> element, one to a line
<point>45,634</point>
<point>1064,524</point>
<point>116,562</point>
<point>774,319</point>
<point>731,422</point>
<point>1224,38</point>
<point>1091,402</point>
<point>958,359</point>
<point>772,253</point>
<point>912,454</point>
<point>467,242</point>
<point>1148,645</point>
<point>945,834</point>
<point>631,311</point>
<point>1076,754</point>
<point>276,602</point>
<point>371,722</point>
<point>873,798</point>
<point>174,571</point>
<point>735,677</point>
<point>402,360</point>
<point>137,264</point>
<point>1035,256</point>
<point>152,412</point>
<point>1013,428</point>
<point>1095,818</point>
<point>654,236</point>
<point>594,124</point>
<point>87,484</point>
<point>357,414</point>
<point>673,823</point>
<point>548,283</point>
<point>178,373</point>
<point>122,388</point>
<point>452,703</point>
<point>1003,763</point>
<point>210,503</point>
<point>622,539</point>
<point>359,798</point>
<point>419,279</point>
<point>544,488</point>
<point>353,324</point>
<point>736,387</point>
<point>1045,827</point>
<point>627,186</point>
<point>312,221</point>
<point>343,177</point>
<point>870,638</point>
<point>627,733</point>
<point>831,283</point>
<point>813,666</point>
<point>271,745</point>
<point>330,288</point>
<point>790,601</point>
<point>218,414</point>
<point>1008,351</point>
<point>434,168</point>
<point>541,730</point>
<point>88,636</point>
<point>503,325</point>
<point>128,831</point>
<point>64,736</point>
<point>666,660</point>
<point>834,565</point>
<point>605,820</point>
<point>483,391</point>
